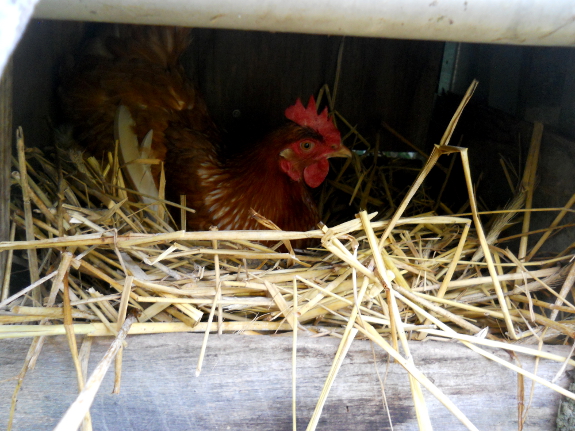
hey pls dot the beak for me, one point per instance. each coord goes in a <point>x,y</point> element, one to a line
<point>342,152</point>
<point>287,154</point>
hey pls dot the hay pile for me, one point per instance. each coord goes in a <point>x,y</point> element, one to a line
<point>96,255</point>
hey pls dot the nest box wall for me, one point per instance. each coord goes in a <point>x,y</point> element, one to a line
<point>5,153</point>
<point>248,78</point>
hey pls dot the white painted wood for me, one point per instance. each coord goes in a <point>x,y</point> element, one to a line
<point>14,16</point>
<point>528,22</point>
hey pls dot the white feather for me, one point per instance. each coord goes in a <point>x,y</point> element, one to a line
<point>140,175</point>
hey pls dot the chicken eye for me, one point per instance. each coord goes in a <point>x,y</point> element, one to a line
<point>306,146</point>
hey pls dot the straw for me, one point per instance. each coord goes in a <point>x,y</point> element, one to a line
<point>79,408</point>
<point>405,272</point>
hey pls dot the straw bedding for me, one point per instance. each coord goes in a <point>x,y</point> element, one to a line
<point>101,262</point>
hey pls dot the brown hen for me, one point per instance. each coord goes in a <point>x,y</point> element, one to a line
<point>141,71</point>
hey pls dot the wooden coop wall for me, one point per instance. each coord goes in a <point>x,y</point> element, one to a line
<point>527,82</point>
<point>246,386</point>
<point>518,85</point>
<point>5,152</point>
<point>248,78</point>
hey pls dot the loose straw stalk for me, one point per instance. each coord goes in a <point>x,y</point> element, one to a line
<point>76,412</point>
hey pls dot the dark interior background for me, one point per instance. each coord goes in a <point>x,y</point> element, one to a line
<point>248,78</point>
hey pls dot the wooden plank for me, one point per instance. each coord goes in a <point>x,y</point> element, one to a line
<point>5,163</point>
<point>248,78</point>
<point>246,384</point>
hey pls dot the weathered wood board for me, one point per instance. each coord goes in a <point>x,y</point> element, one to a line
<point>5,153</point>
<point>246,385</point>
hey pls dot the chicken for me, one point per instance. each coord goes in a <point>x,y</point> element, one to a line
<point>141,71</point>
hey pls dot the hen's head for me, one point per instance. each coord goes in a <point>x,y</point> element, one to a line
<point>312,142</point>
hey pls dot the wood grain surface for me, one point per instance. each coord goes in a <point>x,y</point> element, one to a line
<point>246,385</point>
<point>5,161</point>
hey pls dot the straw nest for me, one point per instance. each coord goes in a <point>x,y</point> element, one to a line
<point>105,264</point>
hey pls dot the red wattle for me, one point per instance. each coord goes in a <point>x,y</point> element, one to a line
<point>316,173</point>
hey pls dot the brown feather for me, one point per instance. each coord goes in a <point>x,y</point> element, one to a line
<point>140,70</point>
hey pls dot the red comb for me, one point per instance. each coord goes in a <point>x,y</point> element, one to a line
<point>310,118</point>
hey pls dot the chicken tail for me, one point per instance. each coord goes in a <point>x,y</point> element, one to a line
<point>158,45</point>
<point>137,67</point>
